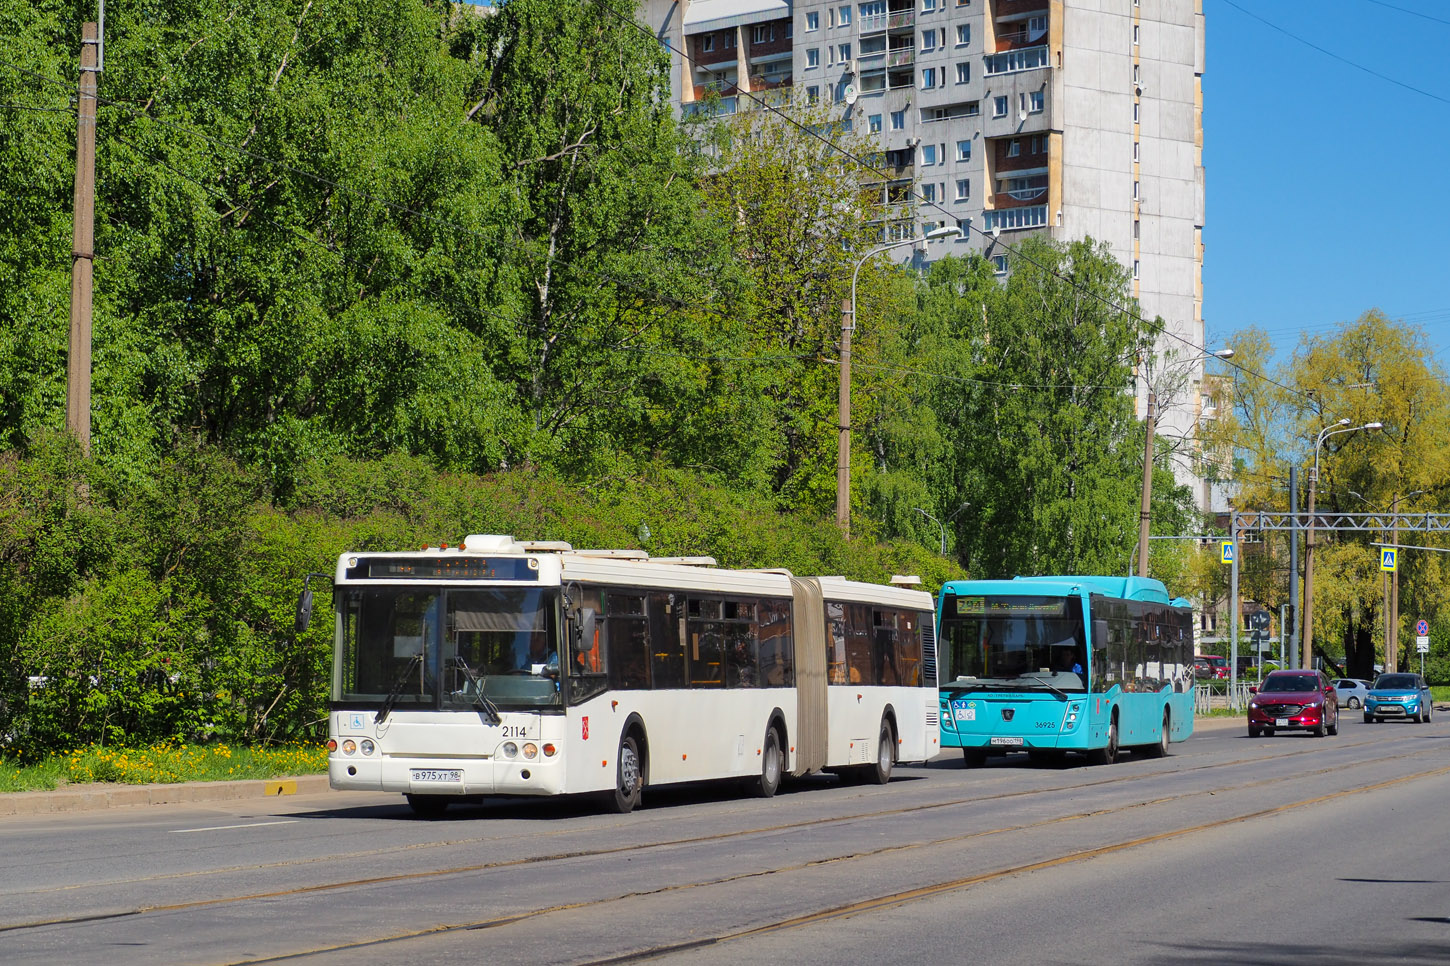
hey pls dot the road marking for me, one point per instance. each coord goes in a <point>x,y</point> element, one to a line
<point>222,828</point>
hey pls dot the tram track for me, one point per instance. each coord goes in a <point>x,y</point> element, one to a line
<point>1120,780</point>
<point>841,910</point>
<point>1115,778</point>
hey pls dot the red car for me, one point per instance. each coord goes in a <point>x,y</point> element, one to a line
<point>1294,701</point>
<point>1210,666</point>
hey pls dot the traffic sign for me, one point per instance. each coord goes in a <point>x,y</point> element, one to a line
<point>1422,645</point>
<point>1387,559</point>
<point>1422,628</point>
<point>1226,551</point>
<point>1259,619</point>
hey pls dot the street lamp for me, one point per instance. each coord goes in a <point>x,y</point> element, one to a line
<point>1143,511</point>
<point>942,525</point>
<point>848,326</point>
<point>1334,429</point>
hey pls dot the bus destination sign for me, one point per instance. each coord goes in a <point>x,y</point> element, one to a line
<point>444,568</point>
<point>1010,606</point>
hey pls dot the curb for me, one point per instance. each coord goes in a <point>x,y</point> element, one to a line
<point>80,798</point>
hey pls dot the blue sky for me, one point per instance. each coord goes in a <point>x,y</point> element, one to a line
<point>1327,189</point>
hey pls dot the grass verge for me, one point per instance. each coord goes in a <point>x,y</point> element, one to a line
<point>162,764</point>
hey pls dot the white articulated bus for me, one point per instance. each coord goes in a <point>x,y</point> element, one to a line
<point>508,668</point>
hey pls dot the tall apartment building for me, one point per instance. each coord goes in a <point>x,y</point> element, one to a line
<point>1067,117</point>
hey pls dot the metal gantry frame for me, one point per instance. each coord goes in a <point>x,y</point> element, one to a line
<point>1250,525</point>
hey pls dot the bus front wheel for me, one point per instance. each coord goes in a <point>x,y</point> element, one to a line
<point>1108,755</point>
<point>628,778</point>
<point>428,806</point>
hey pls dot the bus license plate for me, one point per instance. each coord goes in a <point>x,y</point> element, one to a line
<point>437,775</point>
<point>1006,740</point>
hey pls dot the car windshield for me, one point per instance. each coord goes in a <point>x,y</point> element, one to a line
<point>1290,682</point>
<point>1395,682</point>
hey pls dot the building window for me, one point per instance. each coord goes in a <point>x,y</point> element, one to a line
<point>789,29</point>
<point>1135,191</point>
<point>1135,73</point>
<point>831,16</point>
<point>813,20</point>
<point>845,53</point>
<point>964,34</point>
<point>928,154</point>
<point>813,94</point>
<point>964,228</point>
<point>928,40</point>
<point>845,17</point>
<point>1014,148</point>
<point>813,58</point>
<point>964,189</point>
<point>830,55</point>
<point>1034,102</point>
<point>874,123</point>
<point>999,264</point>
<point>1036,27</point>
<point>964,73</point>
<point>1135,112</point>
<point>708,44</point>
<point>928,78</point>
<point>927,6</point>
<point>1135,34</point>
<point>999,106</point>
<point>757,34</point>
<point>964,150</point>
<point>1135,152</point>
<point>898,120</point>
<point>928,193</point>
<point>1135,268</point>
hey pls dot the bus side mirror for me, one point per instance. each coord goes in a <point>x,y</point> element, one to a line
<point>583,628</point>
<point>304,609</point>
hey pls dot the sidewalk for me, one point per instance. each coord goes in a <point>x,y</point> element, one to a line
<point>78,798</point>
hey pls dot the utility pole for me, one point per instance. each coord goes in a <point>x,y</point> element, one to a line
<point>78,367</point>
<point>1144,513</point>
<point>843,443</point>
<point>1392,651</point>
<point>1292,652</point>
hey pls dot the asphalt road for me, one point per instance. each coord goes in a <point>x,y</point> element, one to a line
<point>1286,850</point>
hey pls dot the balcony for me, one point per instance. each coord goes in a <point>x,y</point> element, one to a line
<point>710,107</point>
<point>901,19</point>
<point>1015,61</point>
<point>1015,219</point>
<point>872,23</point>
<point>901,57</point>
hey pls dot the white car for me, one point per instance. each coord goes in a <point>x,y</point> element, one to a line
<point>1351,691</point>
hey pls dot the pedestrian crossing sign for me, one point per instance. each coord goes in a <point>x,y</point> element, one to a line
<point>1226,551</point>
<point>1387,559</point>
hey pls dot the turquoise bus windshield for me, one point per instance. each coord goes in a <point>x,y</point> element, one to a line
<point>1013,643</point>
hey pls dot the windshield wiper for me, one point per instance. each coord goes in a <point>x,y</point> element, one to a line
<point>397,690</point>
<point>485,707</point>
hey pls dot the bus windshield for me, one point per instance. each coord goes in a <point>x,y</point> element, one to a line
<point>1013,643</point>
<point>450,649</point>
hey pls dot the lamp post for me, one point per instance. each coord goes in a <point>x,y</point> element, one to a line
<point>848,326</point>
<point>1333,429</point>
<point>1144,512</point>
<point>942,525</point>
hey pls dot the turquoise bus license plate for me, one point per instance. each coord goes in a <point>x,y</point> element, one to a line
<point>437,775</point>
<point>1006,740</point>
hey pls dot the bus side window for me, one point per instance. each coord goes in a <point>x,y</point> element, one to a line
<point>626,642</point>
<point>667,664</point>
<point>777,647</point>
<point>859,664</point>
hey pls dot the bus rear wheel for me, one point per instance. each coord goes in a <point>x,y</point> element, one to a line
<point>880,772</point>
<point>628,778</point>
<point>772,765</point>
<point>1160,750</point>
<point>974,757</point>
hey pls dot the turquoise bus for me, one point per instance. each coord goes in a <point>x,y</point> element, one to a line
<point>1051,665</point>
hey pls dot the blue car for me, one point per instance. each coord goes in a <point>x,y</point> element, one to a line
<point>1398,696</point>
